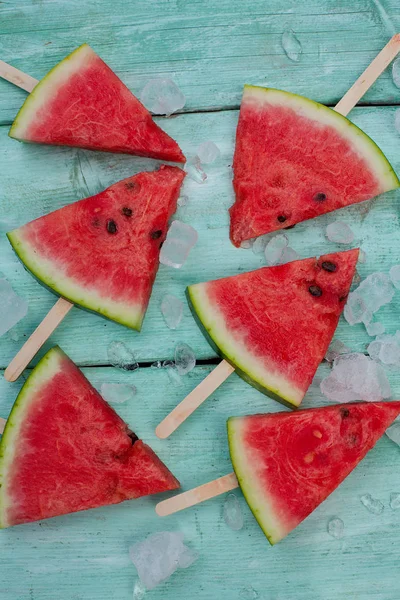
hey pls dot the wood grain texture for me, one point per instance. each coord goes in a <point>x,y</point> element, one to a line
<point>85,556</point>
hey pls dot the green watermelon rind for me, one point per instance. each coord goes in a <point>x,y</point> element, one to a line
<point>271,392</point>
<point>39,375</point>
<point>366,146</point>
<point>42,90</point>
<point>123,314</point>
<point>256,499</point>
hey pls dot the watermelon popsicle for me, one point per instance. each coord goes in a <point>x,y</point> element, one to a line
<point>82,103</point>
<point>288,463</point>
<point>272,326</point>
<point>62,433</point>
<point>100,253</point>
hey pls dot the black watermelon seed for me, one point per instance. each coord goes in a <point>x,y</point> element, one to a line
<point>345,412</point>
<point>111,226</point>
<point>132,185</point>
<point>320,197</point>
<point>133,436</point>
<point>155,235</point>
<point>282,218</point>
<point>329,266</point>
<point>290,226</point>
<point>315,290</point>
<point>127,211</point>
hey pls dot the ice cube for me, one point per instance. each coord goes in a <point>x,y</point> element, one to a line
<point>157,365</point>
<point>386,348</point>
<point>395,276</point>
<point>233,515</point>
<point>371,504</point>
<point>394,499</point>
<point>274,249</point>
<point>396,72</point>
<point>180,240</point>
<point>246,244</point>
<point>248,593</point>
<point>120,356</point>
<point>374,292</point>
<point>195,171</point>
<point>339,232</point>
<point>172,310</point>
<point>158,556</point>
<point>162,97</point>
<point>336,527</point>
<point>185,359</point>
<point>259,244</point>
<point>397,120</point>
<point>172,372</point>
<point>374,328</point>
<point>12,307</point>
<point>336,347</point>
<point>393,432</point>
<point>288,255</point>
<point>117,393</point>
<point>183,200</point>
<point>208,152</point>
<point>139,590</point>
<point>362,256</point>
<point>291,45</point>
<point>355,377</point>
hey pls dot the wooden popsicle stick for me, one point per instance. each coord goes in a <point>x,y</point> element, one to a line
<point>200,393</point>
<point>37,339</point>
<point>371,73</point>
<point>2,424</point>
<point>197,495</point>
<point>17,77</point>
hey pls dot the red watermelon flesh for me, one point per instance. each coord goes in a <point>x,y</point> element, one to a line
<point>275,324</point>
<point>81,102</point>
<point>102,252</point>
<point>296,159</point>
<point>64,449</point>
<point>288,463</point>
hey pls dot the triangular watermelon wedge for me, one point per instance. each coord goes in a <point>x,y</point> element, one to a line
<point>275,324</point>
<point>288,463</point>
<point>64,449</point>
<point>102,252</point>
<point>296,159</point>
<point>82,103</point>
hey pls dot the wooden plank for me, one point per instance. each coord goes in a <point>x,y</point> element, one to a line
<point>38,179</point>
<point>210,48</point>
<point>85,556</point>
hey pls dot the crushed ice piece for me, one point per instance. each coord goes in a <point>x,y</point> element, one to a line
<point>336,347</point>
<point>393,432</point>
<point>158,556</point>
<point>355,377</point>
<point>274,249</point>
<point>12,307</point>
<point>172,310</point>
<point>172,372</point>
<point>362,256</point>
<point>233,515</point>
<point>183,200</point>
<point>208,152</point>
<point>248,593</point>
<point>157,365</point>
<point>394,274</point>
<point>117,393</point>
<point>185,359</point>
<point>259,244</point>
<point>120,356</point>
<point>396,72</point>
<point>180,240</point>
<point>335,528</point>
<point>394,502</point>
<point>386,349</point>
<point>246,244</point>
<point>339,232</point>
<point>288,255</point>
<point>371,504</point>
<point>397,120</point>
<point>375,328</point>
<point>291,45</point>
<point>139,590</point>
<point>162,97</point>
<point>374,292</point>
<point>195,171</point>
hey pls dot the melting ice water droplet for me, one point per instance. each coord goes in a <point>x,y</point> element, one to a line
<point>373,505</point>
<point>291,45</point>
<point>336,528</point>
<point>162,96</point>
<point>233,515</point>
<point>172,310</point>
<point>394,498</point>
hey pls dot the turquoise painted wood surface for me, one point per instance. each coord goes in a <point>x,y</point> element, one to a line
<point>210,48</point>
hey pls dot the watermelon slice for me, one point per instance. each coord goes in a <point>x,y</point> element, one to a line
<point>82,103</point>
<point>64,449</point>
<point>102,252</point>
<point>275,324</point>
<point>288,463</point>
<point>296,159</point>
